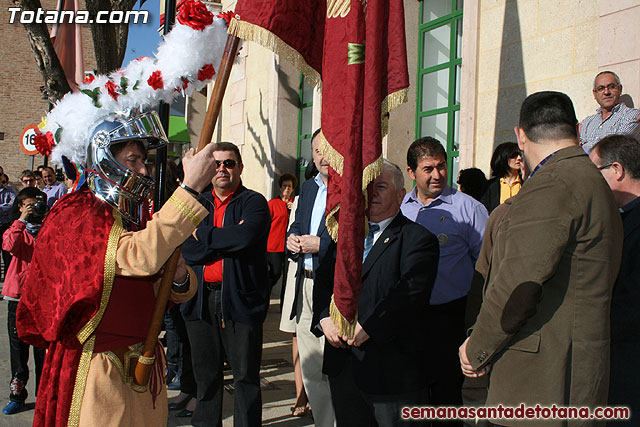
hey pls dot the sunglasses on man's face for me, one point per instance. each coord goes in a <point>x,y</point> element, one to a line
<point>227,163</point>
<point>28,179</point>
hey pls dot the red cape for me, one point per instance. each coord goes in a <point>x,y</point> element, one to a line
<point>62,295</point>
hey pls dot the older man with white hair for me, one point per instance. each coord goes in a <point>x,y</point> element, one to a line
<point>385,365</point>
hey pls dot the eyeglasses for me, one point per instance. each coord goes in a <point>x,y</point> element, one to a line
<point>227,163</point>
<point>28,179</point>
<point>608,165</point>
<point>515,155</point>
<point>610,86</point>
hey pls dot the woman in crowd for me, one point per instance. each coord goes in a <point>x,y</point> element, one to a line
<point>506,163</point>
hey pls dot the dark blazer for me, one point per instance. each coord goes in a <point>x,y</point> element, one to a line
<point>397,278</point>
<point>491,196</point>
<point>245,295</point>
<point>625,320</point>
<point>300,226</point>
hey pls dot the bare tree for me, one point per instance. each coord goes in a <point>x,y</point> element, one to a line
<point>109,41</point>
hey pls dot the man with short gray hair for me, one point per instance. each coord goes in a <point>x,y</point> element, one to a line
<point>613,117</point>
<point>618,159</point>
<point>385,366</point>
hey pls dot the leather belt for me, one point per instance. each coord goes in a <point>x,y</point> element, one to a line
<point>308,273</point>
<point>213,286</point>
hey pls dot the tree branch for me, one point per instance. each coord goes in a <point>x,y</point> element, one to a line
<point>55,82</point>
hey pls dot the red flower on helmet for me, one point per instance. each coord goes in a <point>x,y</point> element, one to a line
<point>44,142</point>
<point>206,72</point>
<point>89,78</point>
<point>112,88</point>
<point>226,16</point>
<point>155,80</point>
<point>195,15</point>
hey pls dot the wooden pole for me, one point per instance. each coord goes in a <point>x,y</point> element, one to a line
<point>143,367</point>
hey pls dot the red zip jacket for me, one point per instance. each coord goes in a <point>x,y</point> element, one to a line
<point>19,243</point>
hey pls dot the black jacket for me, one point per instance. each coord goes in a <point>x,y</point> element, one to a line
<point>491,196</point>
<point>245,288</point>
<point>300,227</point>
<point>397,279</point>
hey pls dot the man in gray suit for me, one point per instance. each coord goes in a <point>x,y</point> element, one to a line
<point>543,327</point>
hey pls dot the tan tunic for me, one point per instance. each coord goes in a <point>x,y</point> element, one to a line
<point>108,400</point>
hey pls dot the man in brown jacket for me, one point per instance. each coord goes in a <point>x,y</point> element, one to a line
<point>543,328</point>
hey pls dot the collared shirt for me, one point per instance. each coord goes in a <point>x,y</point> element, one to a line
<point>54,192</point>
<point>213,269</point>
<point>629,206</point>
<point>622,120</point>
<point>458,221</point>
<point>509,190</point>
<point>383,226</point>
<point>6,202</point>
<point>319,206</point>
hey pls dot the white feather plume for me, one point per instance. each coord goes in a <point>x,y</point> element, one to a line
<point>181,55</point>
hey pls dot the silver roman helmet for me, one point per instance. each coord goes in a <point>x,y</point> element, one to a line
<point>111,181</point>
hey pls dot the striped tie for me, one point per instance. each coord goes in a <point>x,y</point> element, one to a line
<point>368,241</point>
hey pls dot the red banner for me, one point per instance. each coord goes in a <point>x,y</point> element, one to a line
<point>356,50</point>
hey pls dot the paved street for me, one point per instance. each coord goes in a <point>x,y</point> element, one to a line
<point>278,389</point>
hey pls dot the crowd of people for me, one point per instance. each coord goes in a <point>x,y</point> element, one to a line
<point>519,289</point>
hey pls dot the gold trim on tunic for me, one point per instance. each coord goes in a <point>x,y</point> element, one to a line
<point>81,382</point>
<point>185,209</point>
<point>109,276</point>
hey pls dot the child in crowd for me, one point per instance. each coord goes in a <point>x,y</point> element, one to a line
<point>19,240</point>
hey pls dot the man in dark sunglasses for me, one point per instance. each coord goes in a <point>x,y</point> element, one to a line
<point>613,117</point>
<point>228,252</point>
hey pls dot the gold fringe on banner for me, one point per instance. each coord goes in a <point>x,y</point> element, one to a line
<point>390,102</point>
<point>268,40</point>
<point>344,327</point>
<point>332,223</point>
<point>371,172</point>
<point>81,382</point>
<point>331,155</point>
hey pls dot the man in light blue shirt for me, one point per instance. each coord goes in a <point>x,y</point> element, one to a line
<point>458,221</point>
<point>52,188</point>
<point>309,243</point>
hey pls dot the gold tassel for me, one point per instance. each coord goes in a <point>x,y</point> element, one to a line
<point>268,40</point>
<point>345,328</point>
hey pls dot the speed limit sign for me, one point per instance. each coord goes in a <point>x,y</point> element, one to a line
<point>27,140</point>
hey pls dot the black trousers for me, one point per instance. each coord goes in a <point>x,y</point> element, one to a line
<point>19,353</point>
<point>354,408</point>
<point>447,333</point>
<point>275,264</point>
<point>179,350</point>
<point>243,346</point>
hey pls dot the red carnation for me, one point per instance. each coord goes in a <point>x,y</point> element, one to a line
<point>185,83</point>
<point>155,80</point>
<point>206,72</point>
<point>226,16</point>
<point>89,78</point>
<point>44,142</point>
<point>112,88</point>
<point>194,14</point>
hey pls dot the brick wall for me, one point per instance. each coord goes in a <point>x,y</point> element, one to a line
<point>21,102</point>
